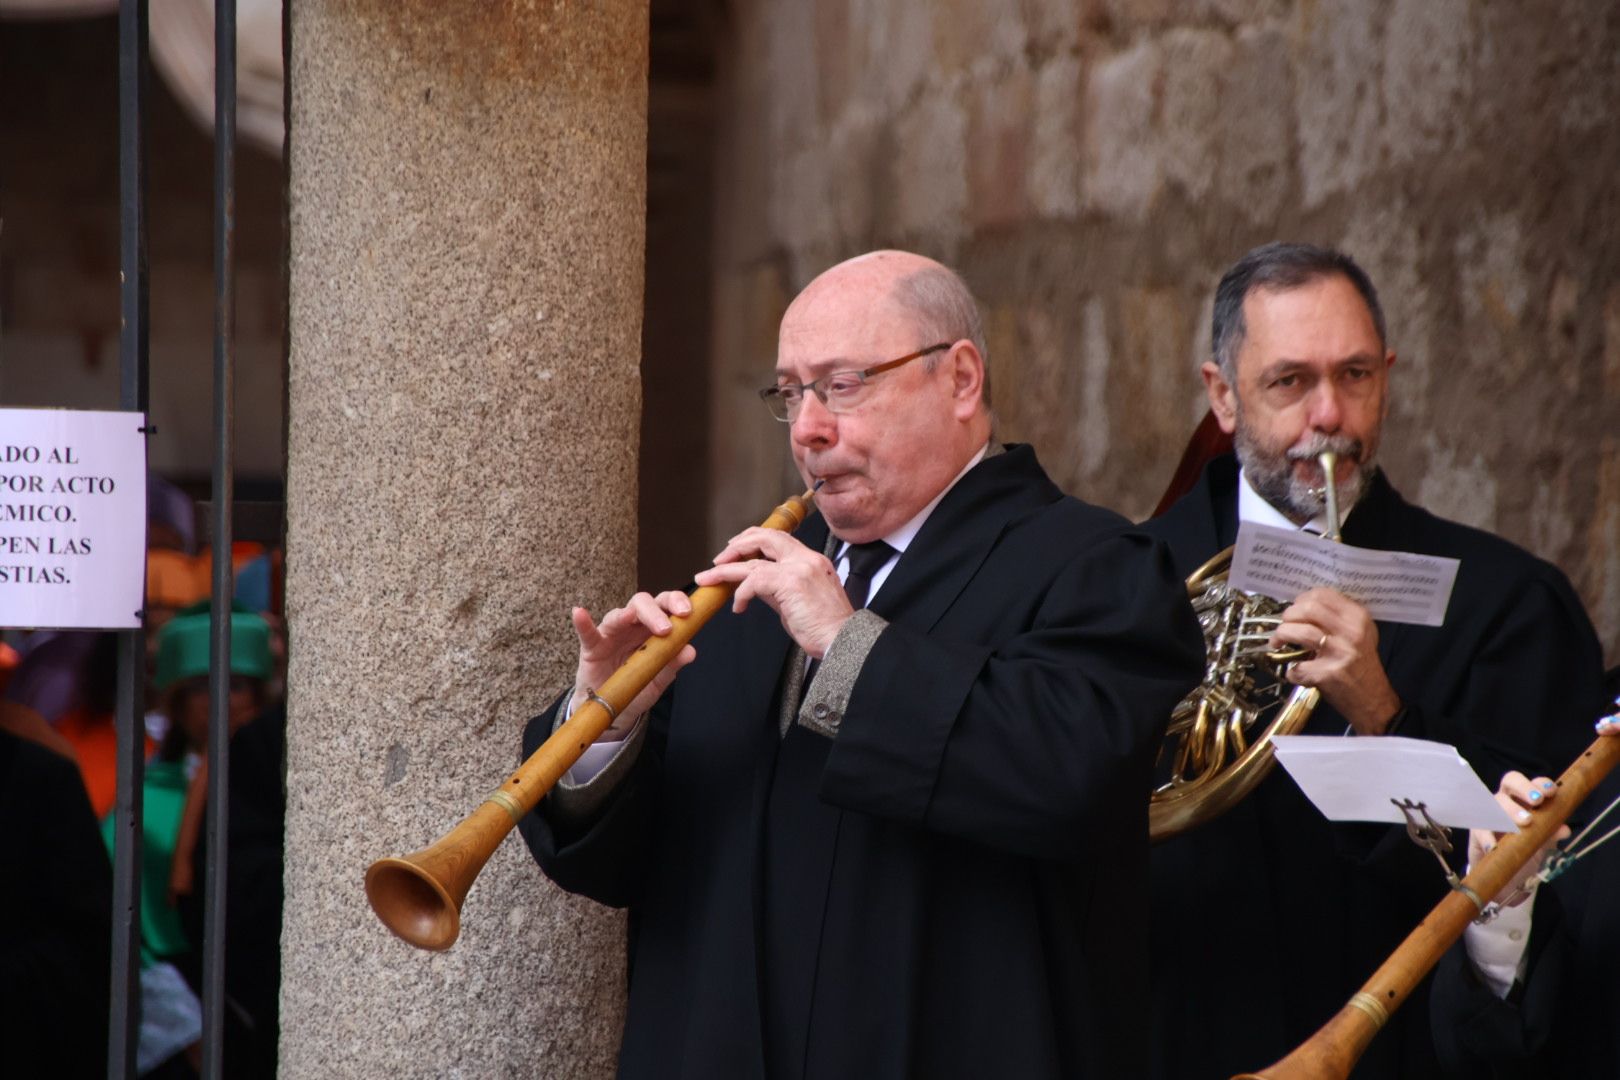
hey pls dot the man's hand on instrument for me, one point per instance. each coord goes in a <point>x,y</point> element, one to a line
<point>800,585</point>
<point>1345,667</point>
<point>604,647</point>
<point>1518,795</point>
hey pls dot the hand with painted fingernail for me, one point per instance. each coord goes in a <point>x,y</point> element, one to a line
<point>1520,796</point>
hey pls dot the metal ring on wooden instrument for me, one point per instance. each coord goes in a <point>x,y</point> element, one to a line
<point>592,695</point>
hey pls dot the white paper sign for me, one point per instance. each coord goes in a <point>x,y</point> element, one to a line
<point>1354,779</point>
<point>1394,586</point>
<point>72,518</point>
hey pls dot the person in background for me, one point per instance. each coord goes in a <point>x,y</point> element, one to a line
<point>50,673</point>
<point>1535,991</point>
<point>55,912</point>
<point>253,894</point>
<point>257,800</point>
<point>91,725</point>
<point>171,1016</point>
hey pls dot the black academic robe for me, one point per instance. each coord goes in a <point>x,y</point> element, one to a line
<point>255,826</point>
<point>55,918</point>
<point>977,831</point>
<point>1268,919</point>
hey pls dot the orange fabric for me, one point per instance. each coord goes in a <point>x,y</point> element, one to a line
<point>176,580</point>
<point>173,580</point>
<point>95,742</point>
<point>244,551</point>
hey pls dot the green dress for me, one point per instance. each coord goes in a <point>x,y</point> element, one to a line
<point>162,936</point>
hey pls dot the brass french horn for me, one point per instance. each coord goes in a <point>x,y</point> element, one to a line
<point>1218,746</point>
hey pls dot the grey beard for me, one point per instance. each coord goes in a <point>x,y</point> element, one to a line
<point>1273,477</point>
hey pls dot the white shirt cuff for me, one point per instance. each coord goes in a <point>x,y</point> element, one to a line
<point>1497,949</point>
<point>593,761</point>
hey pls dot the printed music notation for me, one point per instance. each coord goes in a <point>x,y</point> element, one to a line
<point>1394,586</point>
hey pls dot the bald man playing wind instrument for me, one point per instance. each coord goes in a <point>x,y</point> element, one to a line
<point>890,819</point>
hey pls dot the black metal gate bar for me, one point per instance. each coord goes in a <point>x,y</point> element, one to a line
<point>224,492</point>
<point>124,1017</point>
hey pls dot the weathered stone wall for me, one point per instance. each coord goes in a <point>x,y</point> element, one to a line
<point>1093,166</point>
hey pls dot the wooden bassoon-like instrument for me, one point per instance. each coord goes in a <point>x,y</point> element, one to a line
<point>1334,1050</point>
<point>419,896</point>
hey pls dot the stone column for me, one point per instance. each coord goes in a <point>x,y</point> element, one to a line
<point>467,195</point>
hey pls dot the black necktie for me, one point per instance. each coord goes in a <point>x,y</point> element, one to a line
<point>864,561</point>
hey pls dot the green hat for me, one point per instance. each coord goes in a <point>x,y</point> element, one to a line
<point>184,641</point>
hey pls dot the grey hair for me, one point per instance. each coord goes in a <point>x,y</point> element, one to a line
<point>945,310</point>
<point>1279,265</point>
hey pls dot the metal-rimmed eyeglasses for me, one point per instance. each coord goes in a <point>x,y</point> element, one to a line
<point>839,391</point>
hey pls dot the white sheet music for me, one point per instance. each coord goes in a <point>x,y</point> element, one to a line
<point>1394,586</point>
<point>1355,779</point>
<point>72,518</point>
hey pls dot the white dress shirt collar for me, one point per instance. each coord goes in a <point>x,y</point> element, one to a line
<point>901,538</point>
<point>1252,506</point>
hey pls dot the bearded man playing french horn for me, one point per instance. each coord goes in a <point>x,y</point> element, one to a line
<point>1266,920</point>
